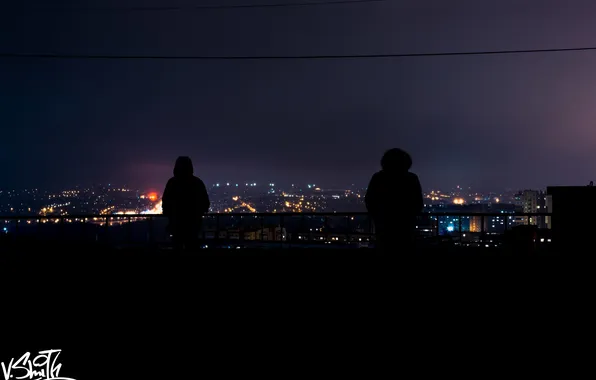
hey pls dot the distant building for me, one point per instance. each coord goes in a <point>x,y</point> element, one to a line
<point>476,224</point>
<point>573,219</point>
<point>267,234</point>
<point>491,224</point>
<point>471,222</point>
<point>451,224</point>
<point>549,209</point>
<point>533,201</point>
<point>530,201</point>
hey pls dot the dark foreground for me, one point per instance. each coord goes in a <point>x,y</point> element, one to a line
<point>149,313</point>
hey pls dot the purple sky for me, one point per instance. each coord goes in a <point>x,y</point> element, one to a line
<point>521,121</point>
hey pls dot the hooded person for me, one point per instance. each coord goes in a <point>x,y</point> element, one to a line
<point>393,200</point>
<point>184,202</point>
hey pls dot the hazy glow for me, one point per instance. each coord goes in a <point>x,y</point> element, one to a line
<point>157,209</point>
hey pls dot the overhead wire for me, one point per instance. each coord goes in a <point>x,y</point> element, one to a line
<point>199,7</point>
<point>7,55</point>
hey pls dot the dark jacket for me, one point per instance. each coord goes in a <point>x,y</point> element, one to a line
<point>185,198</point>
<point>394,196</point>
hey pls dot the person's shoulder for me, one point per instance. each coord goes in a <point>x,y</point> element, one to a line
<point>198,181</point>
<point>413,176</point>
<point>379,174</point>
<point>413,179</point>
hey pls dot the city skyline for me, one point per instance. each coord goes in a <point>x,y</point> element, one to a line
<point>514,121</point>
<point>249,197</point>
<point>265,184</point>
<point>158,184</point>
<point>295,213</point>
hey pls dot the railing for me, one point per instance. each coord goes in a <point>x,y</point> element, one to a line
<point>287,230</point>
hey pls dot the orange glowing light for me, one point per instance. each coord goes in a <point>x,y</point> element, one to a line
<point>152,197</point>
<point>458,201</point>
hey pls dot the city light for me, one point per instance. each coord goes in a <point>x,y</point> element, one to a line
<point>118,204</point>
<point>157,209</point>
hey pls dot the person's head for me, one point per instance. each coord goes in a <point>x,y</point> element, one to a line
<point>396,160</point>
<point>183,167</point>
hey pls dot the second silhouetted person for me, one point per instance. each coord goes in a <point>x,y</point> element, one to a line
<point>394,199</point>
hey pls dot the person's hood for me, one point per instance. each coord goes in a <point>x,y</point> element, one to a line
<point>183,167</point>
<point>396,161</point>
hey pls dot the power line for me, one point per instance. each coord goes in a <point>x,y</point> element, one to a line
<point>200,7</point>
<point>286,57</point>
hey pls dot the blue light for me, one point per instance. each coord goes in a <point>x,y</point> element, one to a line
<point>5,229</point>
<point>450,228</point>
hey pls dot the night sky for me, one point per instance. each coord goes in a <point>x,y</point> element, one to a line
<point>491,122</point>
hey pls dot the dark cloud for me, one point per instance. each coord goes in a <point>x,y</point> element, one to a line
<point>491,121</point>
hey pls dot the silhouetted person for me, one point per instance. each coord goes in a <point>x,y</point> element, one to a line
<point>185,201</point>
<point>393,200</point>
